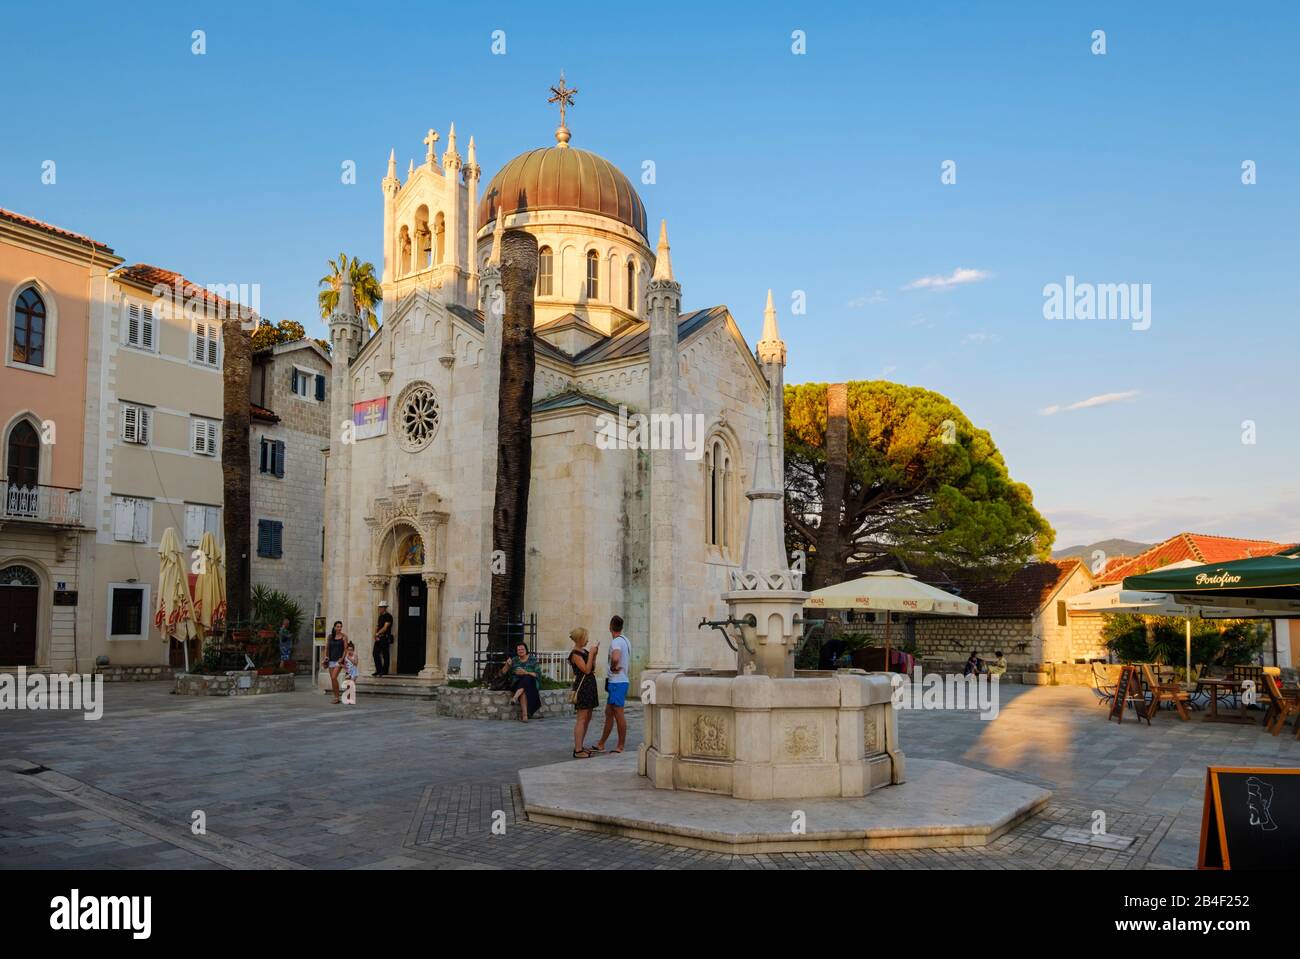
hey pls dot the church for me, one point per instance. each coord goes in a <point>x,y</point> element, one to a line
<point>650,534</point>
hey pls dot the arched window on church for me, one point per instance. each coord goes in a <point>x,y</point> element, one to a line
<point>404,250</point>
<point>719,493</point>
<point>593,275</point>
<point>423,239</point>
<point>545,271</point>
<point>439,238</point>
<point>631,285</point>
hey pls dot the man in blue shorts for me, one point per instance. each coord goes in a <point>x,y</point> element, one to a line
<point>616,684</point>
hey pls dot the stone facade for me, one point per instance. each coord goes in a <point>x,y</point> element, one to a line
<point>291,492</point>
<point>589,537</point>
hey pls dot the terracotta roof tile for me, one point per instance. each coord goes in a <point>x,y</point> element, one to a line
<point>50,228</point>
<point>149,277</point>
<point>1021,595</point>
<point>1198,547</point>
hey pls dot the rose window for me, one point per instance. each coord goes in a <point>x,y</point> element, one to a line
<point>418,414</point>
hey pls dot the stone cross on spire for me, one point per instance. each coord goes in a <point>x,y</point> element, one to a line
<point>429,141</point>
<point>564,97</point>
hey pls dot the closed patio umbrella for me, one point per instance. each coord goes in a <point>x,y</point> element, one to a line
<point>174,615</point>
<point>210,587</point>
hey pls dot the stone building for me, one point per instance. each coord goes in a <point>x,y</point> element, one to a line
<point>648,534</point>
<point>289,396</point>
<point>1025,616</point>
<point>52,286</point>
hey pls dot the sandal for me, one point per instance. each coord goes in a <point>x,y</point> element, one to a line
<point>594,749</point>
<point>581,755</point>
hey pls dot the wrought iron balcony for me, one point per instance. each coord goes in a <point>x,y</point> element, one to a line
<point>54,505</point>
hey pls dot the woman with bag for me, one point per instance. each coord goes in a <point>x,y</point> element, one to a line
<point>582,695</point>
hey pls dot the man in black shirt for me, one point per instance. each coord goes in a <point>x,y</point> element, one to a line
<point>383,639</point>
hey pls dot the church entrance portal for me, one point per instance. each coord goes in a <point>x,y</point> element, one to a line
<point>412,597</point>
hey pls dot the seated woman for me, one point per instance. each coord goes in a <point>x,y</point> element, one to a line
<point>974,665</point>
<point>999,666</point>
<point>526,678</point>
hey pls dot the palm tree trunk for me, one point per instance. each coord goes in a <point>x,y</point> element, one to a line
<point>828,565</point>
<point>514,433</point>
<point>235,463</point>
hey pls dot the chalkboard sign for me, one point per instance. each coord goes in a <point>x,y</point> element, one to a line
<point>1129,686</point>
<point>1251,819</point>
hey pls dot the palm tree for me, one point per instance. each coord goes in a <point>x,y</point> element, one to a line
<point>236,371</point>
<point>514,433</point>
<point>366,291</point>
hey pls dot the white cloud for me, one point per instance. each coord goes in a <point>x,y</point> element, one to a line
<point>1102,399</point>
<point>959,276</point>
<point>858,302</point>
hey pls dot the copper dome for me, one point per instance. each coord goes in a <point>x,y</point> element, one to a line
<point>563,178</point>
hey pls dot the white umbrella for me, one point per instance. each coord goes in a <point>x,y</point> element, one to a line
<point>1115,599</point>
<point>890,591</point>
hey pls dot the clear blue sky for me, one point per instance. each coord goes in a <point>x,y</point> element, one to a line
<point>818,173</point>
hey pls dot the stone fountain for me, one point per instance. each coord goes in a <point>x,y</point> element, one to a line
<point>766,730</point>
<point>765,758</point>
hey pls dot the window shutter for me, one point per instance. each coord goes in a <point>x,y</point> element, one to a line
<point>212,345</point>
<point>262,465</point>
<point>277,530</point>
<point>130,424</point>
<point>320,387</point>
<point>198,342</point>
<point>277,451</point>
<point>193,525</point>
<point>146,329</point>
<point>133,325</point>
<point>197,438</point>
<point>212,521</point>
<point>146,421</point>
<point>212,438</point>
<point>263,538</point>
<point>123,518</point>
<point>293,380</point>
<point>143,516</point>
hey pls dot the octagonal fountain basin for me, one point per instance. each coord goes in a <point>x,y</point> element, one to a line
<point>816,735</point>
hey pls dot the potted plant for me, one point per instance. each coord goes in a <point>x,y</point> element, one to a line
<point>270,608</point>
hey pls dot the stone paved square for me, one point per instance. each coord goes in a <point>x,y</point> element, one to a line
<point>292,782</point>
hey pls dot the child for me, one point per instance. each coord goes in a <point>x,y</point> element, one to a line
<point>350,664</point>
<point>999,666</point>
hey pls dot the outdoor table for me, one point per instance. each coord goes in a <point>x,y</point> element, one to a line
<point>1214,716</point>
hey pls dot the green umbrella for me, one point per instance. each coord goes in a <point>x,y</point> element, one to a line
<point>1264,583</point>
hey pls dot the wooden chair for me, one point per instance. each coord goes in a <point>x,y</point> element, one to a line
<point>1282,705</point>
<point>1103,687</point>
<point>1165,693</point>
<point>1253,673</point>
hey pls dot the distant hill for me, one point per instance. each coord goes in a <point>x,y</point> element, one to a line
<point>1111,547</point>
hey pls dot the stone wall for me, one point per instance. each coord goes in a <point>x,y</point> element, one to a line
<point>227,684</point>
<point>459,703</point>
<point>1086,641</point>
<point>945,643</point>
<point>297,498</point>
<point>134,674</point>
